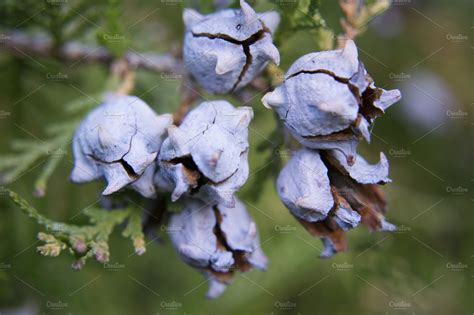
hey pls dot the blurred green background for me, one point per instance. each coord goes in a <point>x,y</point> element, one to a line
<point>424,48</point>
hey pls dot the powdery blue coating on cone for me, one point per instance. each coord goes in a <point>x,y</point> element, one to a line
<point>119,140</point>
<point>216,288</point>
<point>241,233</point>
<point>304,188</point>
<point>342,63</point>
<point>347,147</point>
<point>328,101</point>
<point>363,172</point>
<point>331,113</point>
<point>201,59</point>
<point>214,46</point>
<point>329,249</point>
<point>144,184</point>
<point>346,218</point>
<point>194,238</point>
<point>207,155</point>
<point>193,233</point>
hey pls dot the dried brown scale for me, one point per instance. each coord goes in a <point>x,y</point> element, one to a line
<point>368,200</point>
<point>224,277</point>
<point>221,240</point>
<point>338,201</point>
<point>368,98</point>
<point>193,172</point>
<point>327,228</point>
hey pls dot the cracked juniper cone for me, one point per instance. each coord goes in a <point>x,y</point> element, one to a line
<point>328,101</point>
<point>225,50</point>
<point>119,141</point>
<point>216,240</point>
<point>207,155</point>
<point>328,196</point>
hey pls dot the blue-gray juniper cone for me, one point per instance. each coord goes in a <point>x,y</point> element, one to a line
<point>227,49</point>
<point>216,240</point>
<point>119,141</point>
<point>206,157</point>
<point>329,197</point>
<point>328,100</point>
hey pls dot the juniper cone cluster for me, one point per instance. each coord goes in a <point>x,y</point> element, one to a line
<point>327,102</point>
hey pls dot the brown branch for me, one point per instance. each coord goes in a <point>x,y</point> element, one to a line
<point>28,46</point>
<point>357,14</point>
<point>351,10</point>
<point>25,46</point>
<point>121,68</point>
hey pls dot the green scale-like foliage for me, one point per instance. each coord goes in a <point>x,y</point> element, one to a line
<point>85,241</point>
